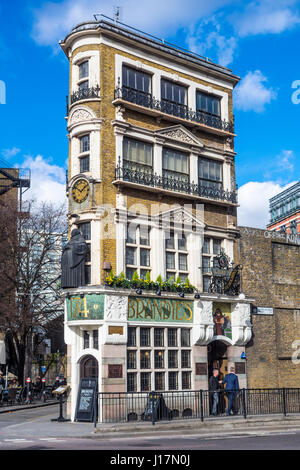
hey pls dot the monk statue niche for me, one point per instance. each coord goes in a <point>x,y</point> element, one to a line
<point>73,261</point>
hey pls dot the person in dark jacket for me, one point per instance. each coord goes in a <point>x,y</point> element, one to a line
<point>232,387</point>
<point>214,385</point>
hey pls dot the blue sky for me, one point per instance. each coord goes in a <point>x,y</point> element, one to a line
<point>258,40</point>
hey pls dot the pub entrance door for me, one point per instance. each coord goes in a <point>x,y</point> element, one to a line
<point>217,359</point>
<point>89,368</point>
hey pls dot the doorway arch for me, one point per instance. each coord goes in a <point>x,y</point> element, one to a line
<point>89,367</point>
<point>217,358</point>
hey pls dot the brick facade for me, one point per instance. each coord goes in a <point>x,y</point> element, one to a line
<point>271,275</point>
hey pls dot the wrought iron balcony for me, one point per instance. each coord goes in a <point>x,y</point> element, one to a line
<point>85,93</point>
<point>174,109</point>
<point>146,177</point>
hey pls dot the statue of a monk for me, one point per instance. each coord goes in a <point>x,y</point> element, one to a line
<point>73,260</point>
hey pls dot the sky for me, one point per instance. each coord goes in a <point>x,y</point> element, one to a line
<point>257,40</point>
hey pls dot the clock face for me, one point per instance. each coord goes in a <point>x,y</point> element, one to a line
<point>80,191</point>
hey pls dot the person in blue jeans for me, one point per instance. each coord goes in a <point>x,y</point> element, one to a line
<point>214,386</point>
<point>232,387</point>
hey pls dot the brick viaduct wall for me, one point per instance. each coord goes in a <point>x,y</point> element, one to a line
<point>271,275</point>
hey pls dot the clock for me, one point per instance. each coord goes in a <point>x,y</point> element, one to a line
<point>80,190</point>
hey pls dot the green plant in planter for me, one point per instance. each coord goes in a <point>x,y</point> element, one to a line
<point>170,284</point>
<point>147,283</point>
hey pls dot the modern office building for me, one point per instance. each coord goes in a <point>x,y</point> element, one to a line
<point>285,211</point>
<point>152,189</point>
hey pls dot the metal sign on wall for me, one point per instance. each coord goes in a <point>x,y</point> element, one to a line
<point>160,310</point>
<point>88,307</point>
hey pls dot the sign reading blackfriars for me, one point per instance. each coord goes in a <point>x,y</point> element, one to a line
<point>161,310</point>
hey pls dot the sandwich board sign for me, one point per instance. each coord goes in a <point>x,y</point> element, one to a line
<point>85,399</point>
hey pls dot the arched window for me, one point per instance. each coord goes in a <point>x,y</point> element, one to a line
<point>89,367</point>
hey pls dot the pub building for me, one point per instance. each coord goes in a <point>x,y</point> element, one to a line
<point>153,293</point>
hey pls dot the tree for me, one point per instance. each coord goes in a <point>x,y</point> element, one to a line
<point>30,294</point>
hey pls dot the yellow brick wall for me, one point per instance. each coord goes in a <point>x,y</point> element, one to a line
<point>105,193</point>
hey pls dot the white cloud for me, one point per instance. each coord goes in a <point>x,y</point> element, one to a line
<point>285,160</point>
<point>254,202</point>
<point>266,17</point>
<point>54,20</point>
<point>202,44</point>
<point>251,94</point>
<point>8,153</point>
<point>47,180</point>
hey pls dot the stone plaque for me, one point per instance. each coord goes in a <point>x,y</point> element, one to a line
<point>240,368</point>
<point>115,330</point>
<point>201,368</point>
<point>115,371</point>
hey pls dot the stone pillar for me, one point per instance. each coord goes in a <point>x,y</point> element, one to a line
<point>200,367</point>
<point>114,344</point>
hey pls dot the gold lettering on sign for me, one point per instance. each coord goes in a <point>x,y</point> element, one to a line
<point>131,311</point>
<point>78,310</point>
<point>159,310</point>
<point>191,311</point>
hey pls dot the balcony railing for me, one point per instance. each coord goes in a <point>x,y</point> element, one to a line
<point>146,177</point>
<point>174,109</point>
<point>85,93</point>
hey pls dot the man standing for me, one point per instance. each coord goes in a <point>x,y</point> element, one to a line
<point>214,385</point>
<point>232,387</point>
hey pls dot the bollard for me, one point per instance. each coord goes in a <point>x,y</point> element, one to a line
<point>244,404</point>
<point>152,409</point>
<point>28,392</point>
<point>284,401</point>
<point>201,406</point>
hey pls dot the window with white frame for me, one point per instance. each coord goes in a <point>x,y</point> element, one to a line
<point>175,164</point>
<point>210,173</point>
<point>173,98</point>
<point>173,92</point>
<point>90,339</point>
<point>84,155</point>
<point>158,359</point>
<point>83,82</point>
<point>137,155</point>
<point>210,250</point>
<point>176,256</point>
<point>136,80</point>
<point>208,104</point>
<point>138,250</point>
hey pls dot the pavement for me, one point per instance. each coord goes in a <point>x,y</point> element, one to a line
<point>211,427</point>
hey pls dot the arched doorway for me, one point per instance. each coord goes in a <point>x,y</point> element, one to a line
<point>217,358</point>
<point>89,367</point>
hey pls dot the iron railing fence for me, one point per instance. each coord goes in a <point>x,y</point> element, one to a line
<point>146,177</point>
<point>85,93</point>
<point>180,110</point>
<point>193,404</point>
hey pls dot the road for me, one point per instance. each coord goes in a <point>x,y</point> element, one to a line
<point>33,429</point>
